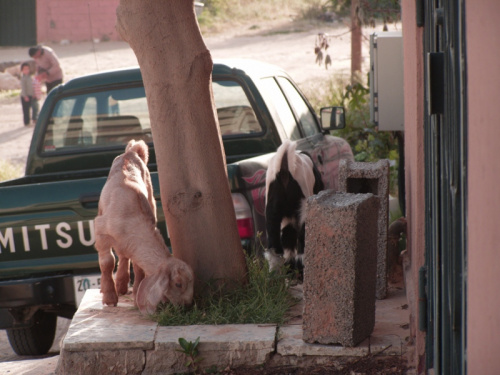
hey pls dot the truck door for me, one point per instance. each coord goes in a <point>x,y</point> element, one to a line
<point>300,123</point>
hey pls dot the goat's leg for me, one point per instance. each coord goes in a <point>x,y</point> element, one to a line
<point>107,264</point>
<point>122,277</point>
<point>138,277</point>
<point>289,242</point>
<point>273,227</point>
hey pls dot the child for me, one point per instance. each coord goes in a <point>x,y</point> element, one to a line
<point>27,92</point>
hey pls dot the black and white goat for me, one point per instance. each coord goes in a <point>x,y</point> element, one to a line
<point>290,179</point>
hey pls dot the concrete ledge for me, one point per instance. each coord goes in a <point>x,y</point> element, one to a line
<point>291,343</point>
<point>117,340</point>
<point>102,362</point>
<point>97,327</point>
<point>228,345</point>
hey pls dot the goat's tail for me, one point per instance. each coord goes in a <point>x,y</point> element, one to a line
<point>140,148</point>
<point>284,158</point>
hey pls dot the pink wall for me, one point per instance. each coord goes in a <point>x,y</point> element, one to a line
<point>483,287</point>
<point>414,171</point>
<point>483,215</point>
<point>71,20</point>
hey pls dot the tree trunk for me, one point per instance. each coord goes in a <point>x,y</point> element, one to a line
<point>176,68</point>
<point>356,39</point>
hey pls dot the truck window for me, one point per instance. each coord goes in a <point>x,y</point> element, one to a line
<point>113,117</point>
<point>96,119</point>
<point>307,119</point>
<point>279,108</point>
<point>235,113</point>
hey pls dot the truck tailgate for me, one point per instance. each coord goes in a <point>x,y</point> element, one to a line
<point>47,227</point>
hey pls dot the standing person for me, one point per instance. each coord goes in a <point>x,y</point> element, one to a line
<point>48,66</point>
<point>27,92</point>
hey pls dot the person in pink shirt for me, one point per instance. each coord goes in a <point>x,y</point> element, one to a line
<point>48,66</point>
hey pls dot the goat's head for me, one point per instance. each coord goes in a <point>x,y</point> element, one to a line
<point>172,283</point>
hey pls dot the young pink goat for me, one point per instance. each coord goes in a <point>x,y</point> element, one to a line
<point>126,223</point>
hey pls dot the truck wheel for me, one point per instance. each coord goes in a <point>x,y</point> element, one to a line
<point>37,339</point>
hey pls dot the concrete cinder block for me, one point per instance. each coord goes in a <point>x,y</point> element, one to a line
<point>355,177</point>
<point>340,268</point>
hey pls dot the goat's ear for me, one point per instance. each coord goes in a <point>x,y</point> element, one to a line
<point>178,277</point>
<point>180,291</point>
<point>151,292</point>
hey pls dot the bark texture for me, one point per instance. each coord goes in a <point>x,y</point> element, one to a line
<point>356,41</point>
<point>177,72</point>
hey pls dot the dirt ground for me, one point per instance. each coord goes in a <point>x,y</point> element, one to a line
<point>369,365</point>
<point>287,44</point>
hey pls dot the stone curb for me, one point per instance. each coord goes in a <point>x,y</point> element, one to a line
<point>118,340</point>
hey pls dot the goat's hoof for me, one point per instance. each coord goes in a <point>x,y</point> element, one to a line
<point>122,289</point>
<point>274,260</point>
<point>110,299</point>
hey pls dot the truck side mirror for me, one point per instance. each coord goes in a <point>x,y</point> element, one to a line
<point>332,118</point>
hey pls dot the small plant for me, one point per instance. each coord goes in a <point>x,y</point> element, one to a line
<point>190,349</point>
<point>9,171</point>
<point>10,94</point>
<point>367,142</point>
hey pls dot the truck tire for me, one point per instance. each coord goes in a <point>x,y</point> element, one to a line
<point>37,339</point>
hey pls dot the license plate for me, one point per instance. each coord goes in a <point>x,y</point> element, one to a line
<point>84,282</point>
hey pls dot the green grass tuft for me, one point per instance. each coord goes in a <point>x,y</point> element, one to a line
<point>9,171</point>
<point>265,299</point>
<point>5,94</point>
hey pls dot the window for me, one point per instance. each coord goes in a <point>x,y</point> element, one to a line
<point>307,119</point>
<point>236,116</point>
<point>113,117</point>
<point>101,118</point>
<point>281,111</point>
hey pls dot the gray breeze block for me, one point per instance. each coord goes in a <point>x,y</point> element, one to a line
<point>356,177</point>
<point>340,268</point>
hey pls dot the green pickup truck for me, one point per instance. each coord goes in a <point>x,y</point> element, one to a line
<point>47,258</point>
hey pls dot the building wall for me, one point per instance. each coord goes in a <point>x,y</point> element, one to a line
<point>483,209</point>
<point>414,162</point>
<point>483,284</point>
<point>76,20</point>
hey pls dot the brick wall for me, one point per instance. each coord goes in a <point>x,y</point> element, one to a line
<point>76,20</point>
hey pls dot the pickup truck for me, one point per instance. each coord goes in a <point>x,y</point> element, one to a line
<point>47,258</point>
